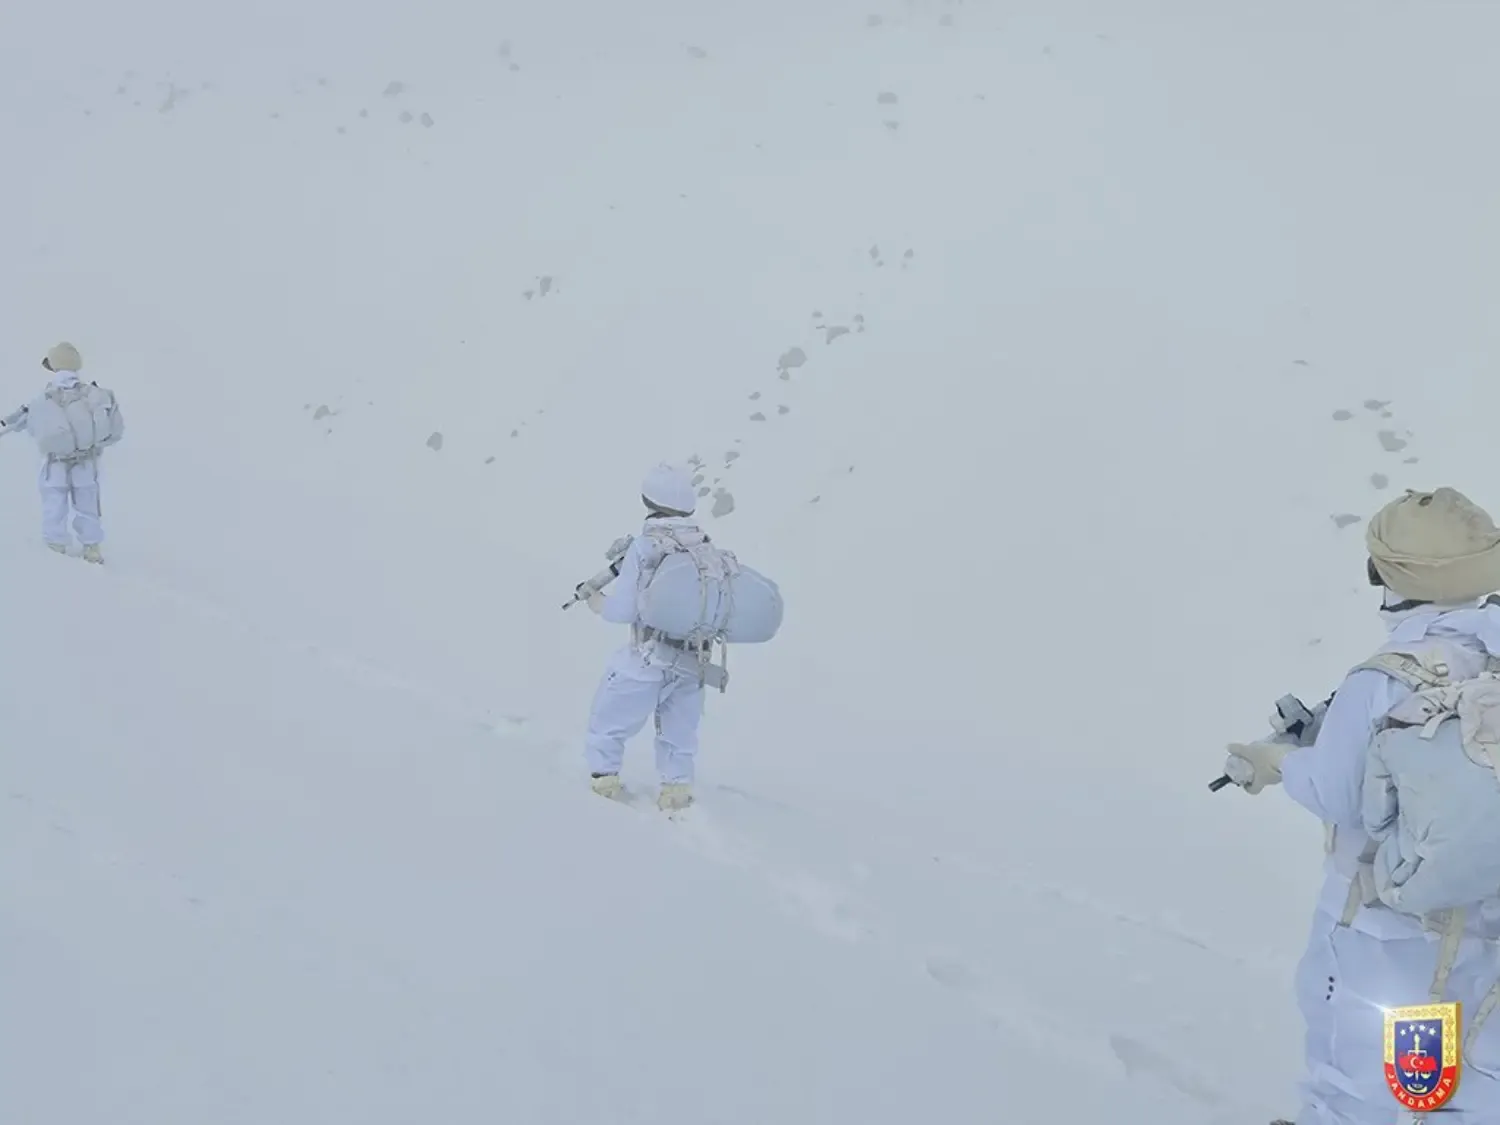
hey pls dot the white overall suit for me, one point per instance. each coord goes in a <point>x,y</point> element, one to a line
<point>650,675</point>
<point>1362,958</point>
<point>68,485</point>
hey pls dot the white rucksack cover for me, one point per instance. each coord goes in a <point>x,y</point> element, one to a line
<point>73,422</point>
<point>699,592</point>
<point>1431,801</point>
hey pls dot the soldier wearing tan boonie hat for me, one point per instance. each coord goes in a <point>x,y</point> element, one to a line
<point>1437,547</point>
<point>73,423</point>
<point>1436,556</point>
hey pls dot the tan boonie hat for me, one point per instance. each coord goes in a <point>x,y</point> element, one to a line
<point>1435,547</point>
<point>64,357</point>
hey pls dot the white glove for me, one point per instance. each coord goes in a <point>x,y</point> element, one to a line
<point>596,600</point>
<point>619,547</point>
<point>1254,765</point>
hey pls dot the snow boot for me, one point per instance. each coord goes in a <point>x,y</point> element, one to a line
<point>60,548</point>
<point>606,784</point>
<point>91,553</point>
<point>674,795</point>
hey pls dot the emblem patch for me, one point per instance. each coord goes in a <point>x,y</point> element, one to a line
<point>1422,1062</point>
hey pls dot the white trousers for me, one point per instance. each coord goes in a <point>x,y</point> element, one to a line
<point>632,690</point>
<point>83,499</point>
<point>1346,977</point>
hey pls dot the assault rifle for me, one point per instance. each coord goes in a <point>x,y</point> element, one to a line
<point>1295,718</point>
<point>616,555</point>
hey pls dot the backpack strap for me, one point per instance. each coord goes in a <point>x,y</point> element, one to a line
<point>1482,1013</point>
<point>1449,923</point>
<point>1362,886</point>
<point>665,541</point>
<point>1416,670</point>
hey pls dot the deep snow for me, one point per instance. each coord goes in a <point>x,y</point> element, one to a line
<point>1051,342</point>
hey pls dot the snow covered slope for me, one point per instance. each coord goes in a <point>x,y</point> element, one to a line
<point>1043,352</point>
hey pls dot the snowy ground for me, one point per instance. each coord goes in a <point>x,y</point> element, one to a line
<point>1050,355</point>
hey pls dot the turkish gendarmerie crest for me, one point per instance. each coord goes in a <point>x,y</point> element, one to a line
<point>1422,1060</point>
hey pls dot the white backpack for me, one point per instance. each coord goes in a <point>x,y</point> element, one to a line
<point>1431,808</point>
<point>74,423</point>
<point>699,594</point>
<point>1431,797</point>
